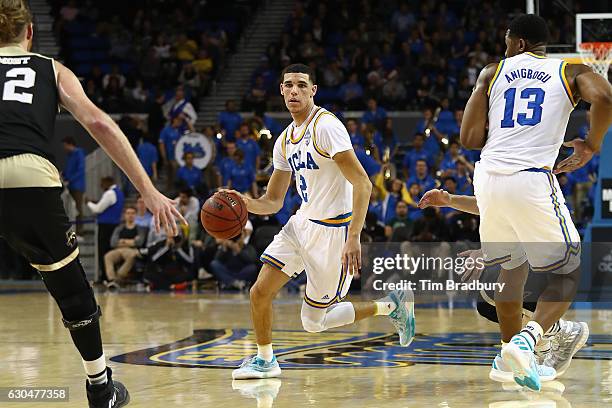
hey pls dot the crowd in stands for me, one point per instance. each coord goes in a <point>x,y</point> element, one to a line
<point>406,54</point>
<point>131,59</point>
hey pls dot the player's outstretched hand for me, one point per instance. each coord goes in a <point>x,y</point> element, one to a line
<point>434,198</point>
<point>164,212</point>
<point>351,255</point>
<point>581,156</point>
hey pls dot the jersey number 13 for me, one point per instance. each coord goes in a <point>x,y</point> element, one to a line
<point>25,79</point>
<point>535,97</point>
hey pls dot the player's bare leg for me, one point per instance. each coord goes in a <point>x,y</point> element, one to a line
<point>509,303</point>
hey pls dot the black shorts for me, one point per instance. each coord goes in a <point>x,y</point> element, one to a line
<point>33,221</point>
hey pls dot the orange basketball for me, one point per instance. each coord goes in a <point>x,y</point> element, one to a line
<point>224,215</point>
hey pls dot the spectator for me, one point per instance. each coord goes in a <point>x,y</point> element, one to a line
<point>203,64</point>
<point>375,206</point>
<point>249,148</point>
<point>168,139</point>
<point>188,206</point>
<point>422,178</point>
<point>374,114</point>
<point>125,241</point>
<point>234,265</point>
<point>402,19</point>
<point>430,228</point>
<point>114,99</point>
<point>229,119</point>
<point>416,153</point>
<point>74,176</point>
<point>227,163</point>
<point>143,216</point>
<point>180,106</point>
<point>147,154</point>
<point>354,134</point>
<point>393,92</point>
<point>108,215</point>
<point>465,170</point>
<point>186,48</point>
<point>93,92</point>
<point>387,145</point>
<point>367,160</point>
<point>189,176</point>
<point>242,177</point>
<point>255,99</point>
<point>114,74</point>
<point>399,228</point>
<point>351,93</point>
<point>450,185</point>
<point>190,78</point>
<point>170,260</point>
<point>332,75</point>
<point>427,126</point>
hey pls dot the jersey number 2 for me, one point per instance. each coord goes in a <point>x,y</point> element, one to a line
<point>303,189</point>
<point>534,105</point>
<point>29,77</point>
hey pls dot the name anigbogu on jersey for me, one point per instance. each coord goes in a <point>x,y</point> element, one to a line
<point>308,152</point>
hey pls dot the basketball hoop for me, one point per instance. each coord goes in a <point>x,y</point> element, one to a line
<point>597,55</point>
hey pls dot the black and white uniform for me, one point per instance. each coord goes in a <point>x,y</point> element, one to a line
<point>32,216</point>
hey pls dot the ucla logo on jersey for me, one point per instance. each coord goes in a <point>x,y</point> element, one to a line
<point>300,350</point>
<point>307,137</point>
<point>297,162</point>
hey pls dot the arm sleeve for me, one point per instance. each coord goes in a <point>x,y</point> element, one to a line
<point>278,158</point>
<point>115,237</point>
<point>331,136</point>
<point>108,198</point>
<point>140,238</point>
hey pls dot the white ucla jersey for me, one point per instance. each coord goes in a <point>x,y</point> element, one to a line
<point>529,106</point>
<point>307,151</point>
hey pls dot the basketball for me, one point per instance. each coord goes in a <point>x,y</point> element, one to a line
<point>224,215</point>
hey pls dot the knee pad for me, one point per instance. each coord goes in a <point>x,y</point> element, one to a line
<point>312,326</point>
<point>73,294</point>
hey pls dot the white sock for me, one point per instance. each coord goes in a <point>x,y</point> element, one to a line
<point>384,307</point>
<point>265,352</point>
<point>532,333</point>
<point>96,370</point>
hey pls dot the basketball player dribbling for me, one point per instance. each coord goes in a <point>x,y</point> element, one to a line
<point>32,216</point>
<point>322,238</point>
<point>526,101</point>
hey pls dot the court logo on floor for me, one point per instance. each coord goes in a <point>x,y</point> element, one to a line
<point>302,350</point>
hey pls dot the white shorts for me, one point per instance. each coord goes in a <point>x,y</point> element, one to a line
<point>523,217</point>
<point>316,247</point>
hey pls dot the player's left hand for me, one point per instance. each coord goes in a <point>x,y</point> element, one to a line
<point>351,255</point>
<point>581,156</point>
<point>434,198</point>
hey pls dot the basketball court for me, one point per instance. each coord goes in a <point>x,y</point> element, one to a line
<point>179,350</point>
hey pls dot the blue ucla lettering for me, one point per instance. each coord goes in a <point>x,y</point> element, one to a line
<point>296,162</point>
<point>310,163</point>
